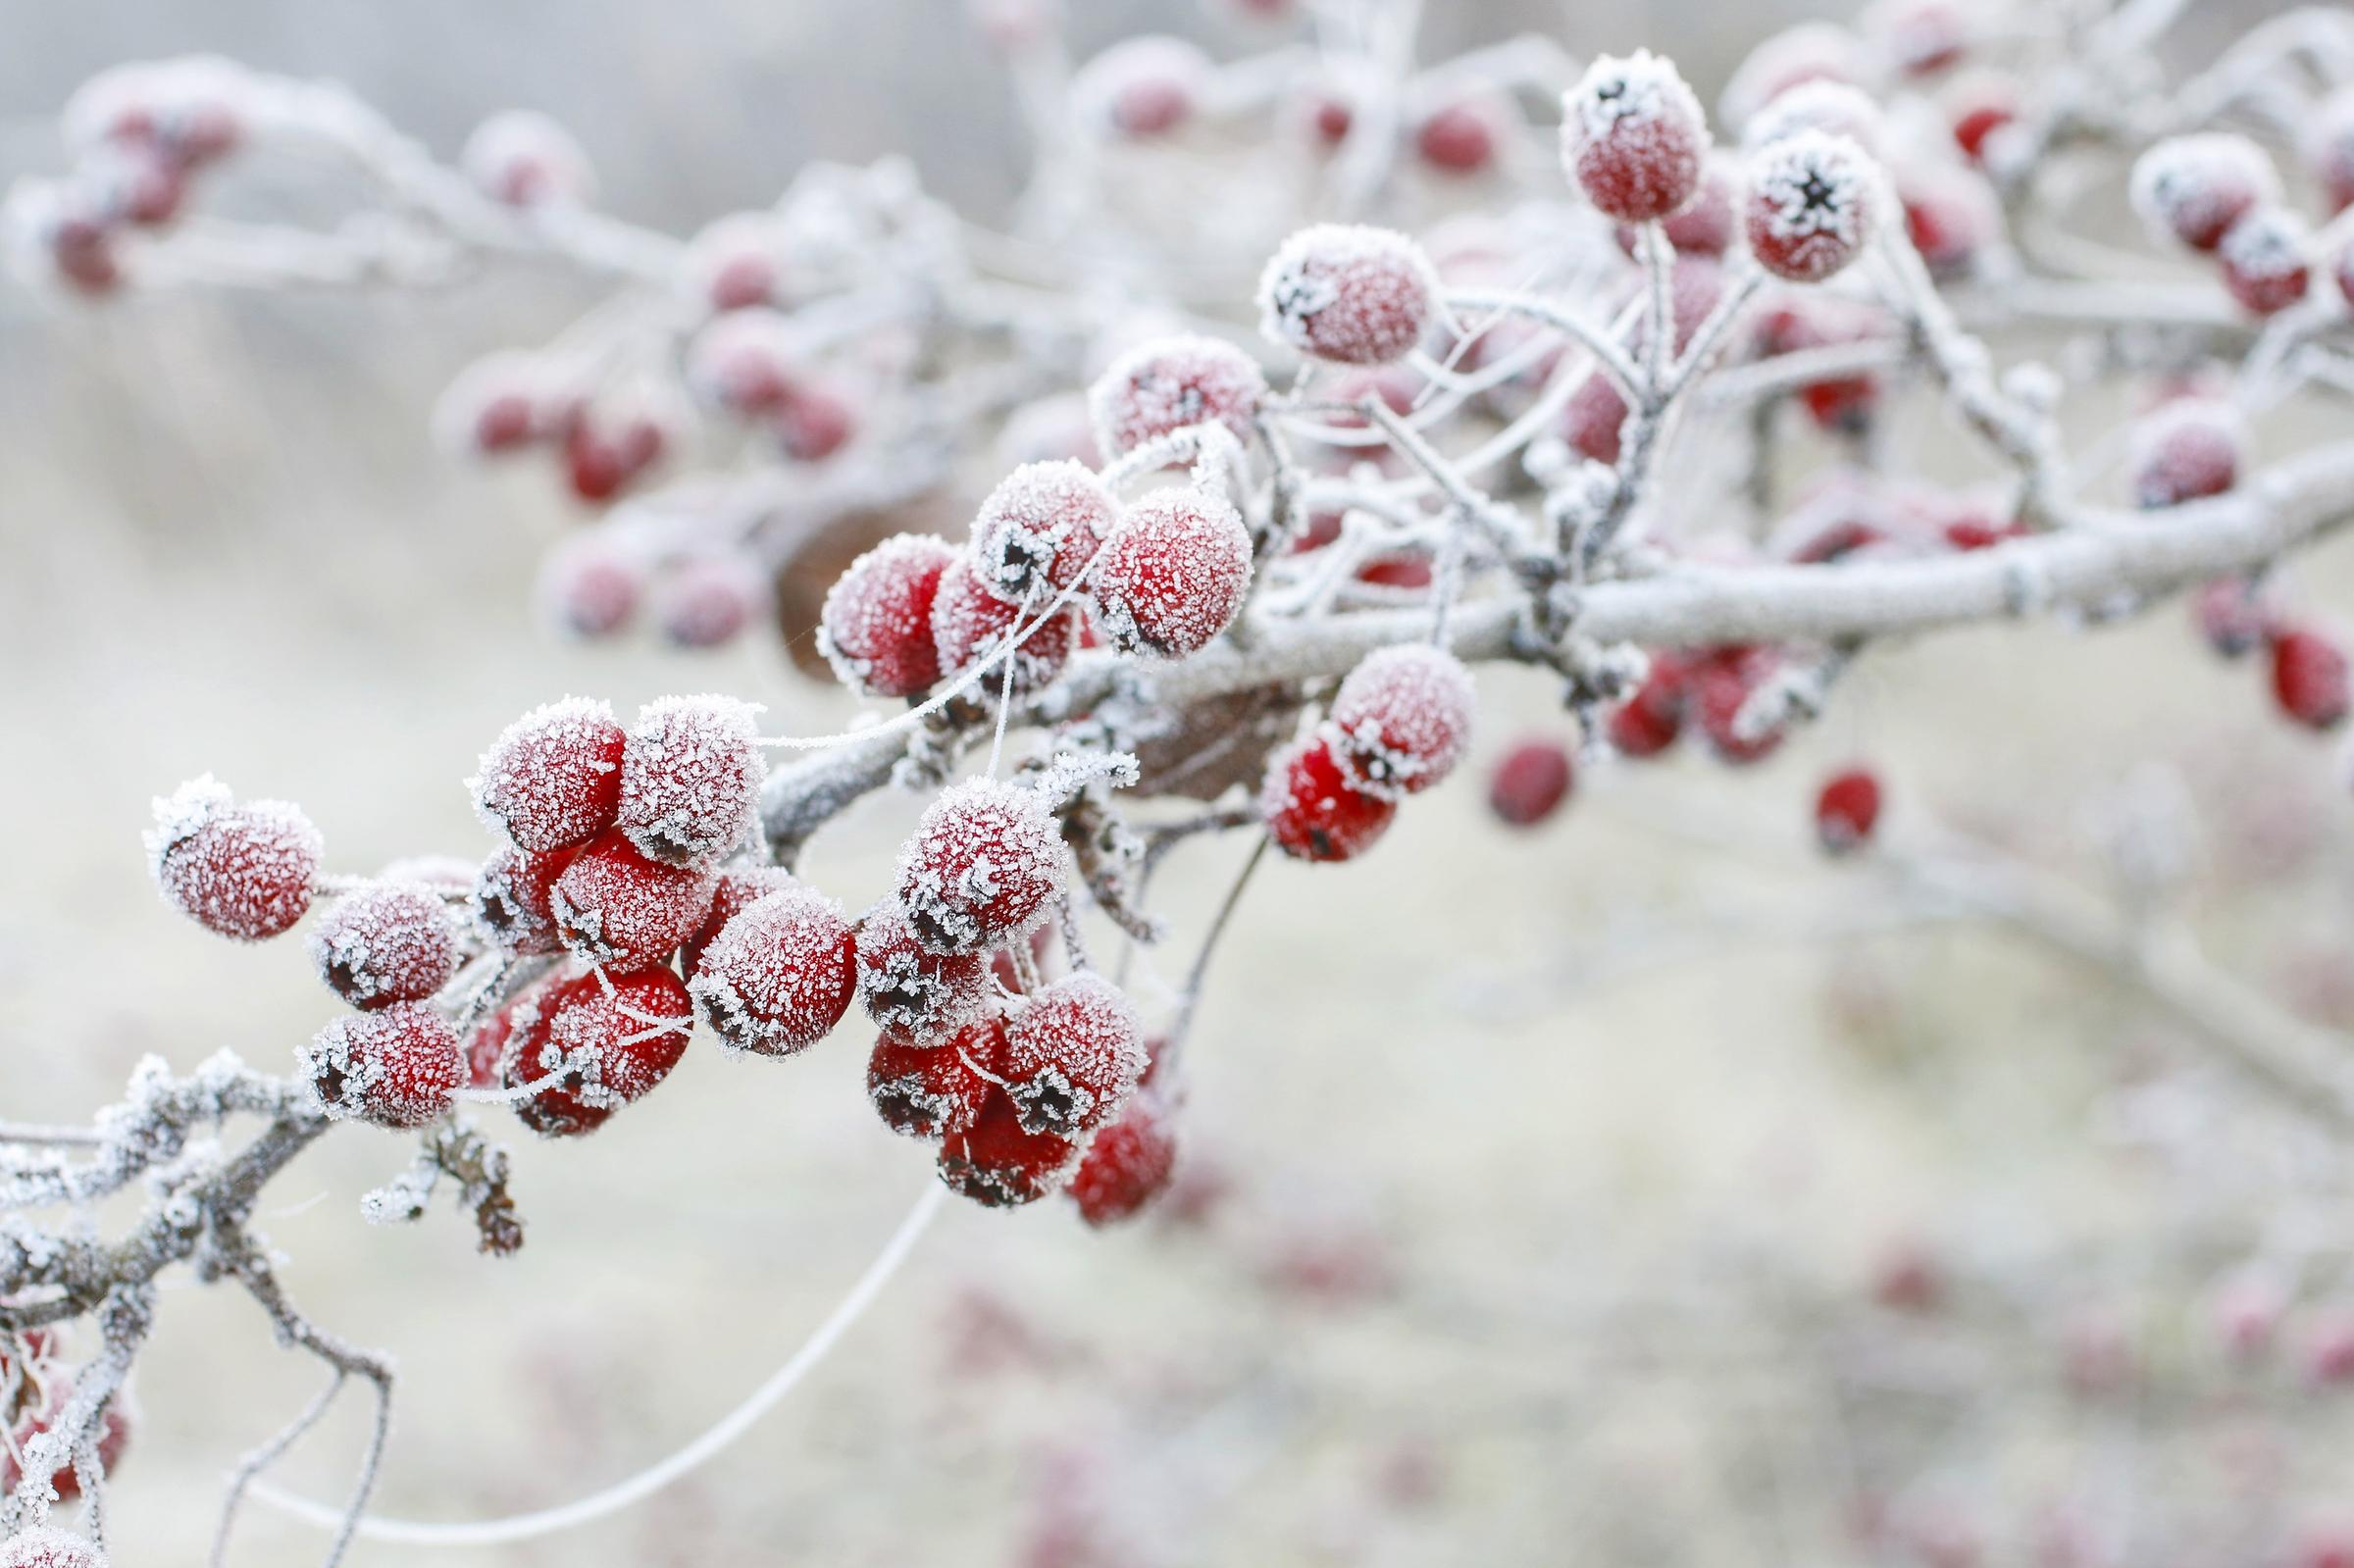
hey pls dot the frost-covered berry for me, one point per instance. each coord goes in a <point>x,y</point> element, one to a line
<point>876,629</point>
<point>525,159</point>
<point>2329,149</point>
<point>1834,108</point>
<point>2309,677</point>
<point>1647,723</point>
<point>2264,260</point>
<point>999,1164</point>
<point>1809,208</point>
<point>779,976</point>
<point>1402,719</point>
<point>745,362</point>
<point>1143,86</point>
<point>1531,781</point>
<point>1039,528</point>
<point>1846,810</point>
<point>2233,615</point>
<point>603,1042</point>
<point>910,992</point>
<point>44,1547</point>
<point>983,864</point>
<point>614,907</point>
<point>1952,217</point>
<point>1169,383</point>
<point>1633,137</point>
<point>929,1091</point>
<point>1128,1164</point>
<point>1920,37</point>
<point>1708,223</point>
<point>240,871</point>
<point>734,263</point>
<point>2193,188</point>
<point>813,422</point>
<point>389,941</point>
<point>2186,450</point>
<point>969,624</point>
<point>1721,684</point>
<point>691,777</point>
<point>1174,575</point>
<point>1462,137</point>
<point>1594,418</point>
<point>1348,293</point>
<point>553,777</point>
<point>589,587</point>
<point>738,889</point>
<point>1072,1056</point>
<point>1980,106</point>
<point>709,601</point>
<point>393,1068</point>
<point>1310,809</point>
<point>513,899</point>
<point>606,450</point>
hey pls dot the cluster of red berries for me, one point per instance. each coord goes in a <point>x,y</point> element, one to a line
<point>2307,665</point>
<point>1398,726</point>
<point>2216,193</point>
<point>37,1393</point>
<point>1709,687</point>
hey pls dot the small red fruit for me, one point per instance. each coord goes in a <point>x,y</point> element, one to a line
<point>604,452</point>
<point>513,899</point>
<point>1810,206</point>
<point>1144,87</point>
<point>242,872</point>
<point>616,908</point>
<point>2329,150</point>
<point>779,976</point>
<point>1531,781</point>
<point>1634,139</point>
<point>969,623</point>
<point>589,588</point>
<point>1721,684</point>
<point>2309,677</point>
<point>2264,260</point>
<point>2193,189</point>
<point>389,941</point>
<point>912,992</point>
<point>2186,450</point>
<point>1402,719</point>
<point>603,1042</point>
<point>738,889</point>
<point>984,862</point>
<point>1348,294</point>
<point>1072,1056</point>
<point>814,422</point>
<point>1846,810</point>
<point>1174,575</point>
<point>996,1163</point>
<point>929,1092</point>
<point>1172,383</point>
<point>1460,138</point>
<point>876,629</point>
<point>2231,615</point>
<point>1709,223</point>
<point>1039,530</point>
<point>1311,810</point>
<point>1648,722</point>
<point>691,777</point>
<point>553,777</point>
<point>395,1068</point>
<point>707,603</point>
<point>1128,1164</point>
<point>525,159</point>
<point>44,1547</point>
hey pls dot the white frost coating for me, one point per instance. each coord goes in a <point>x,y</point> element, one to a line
<point>45,1547</point>
<point>2267,245</point>
<point>1402,718</point>
<point>2192,188</point>
<point>876,627</point>
<point>908,991</point>
<point>1073,1055</point>
<point>1039,528</point>
<point>679,1462</point>
<point>1810,204</point>
<point>779,974</point>
<point>243,872</point>
<point>1349,293</point>
<point>386,941</point>
<point>2191,447</point>
<point>1174,575</point>
<point>981,867</point>
<point>551,777</point>
<point>691,779</point>
<point>1633,136</point>
<point>1169,383</point>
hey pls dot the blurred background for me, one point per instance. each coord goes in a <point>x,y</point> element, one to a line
<point>1646,1189</point>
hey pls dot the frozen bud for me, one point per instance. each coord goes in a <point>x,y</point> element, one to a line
<point>1634,139</point>
<point>525,159</point>
<point>2194,188</point>
<point>1348,294</point>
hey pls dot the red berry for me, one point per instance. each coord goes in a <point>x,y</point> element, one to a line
<point>733,264</point>
<point>910,992</point>
<point>707,603</point>
<point>616,908</point>
<point>738,889</point>
<point>242,872</point>
<point>984,863</point>
<point>589,588</point>
<point>1143,86</point>
<point>2264,260</point>
<point>389,942</point>
<point>82,250</point>
<point>1951,214</point>
<point>968,623</point>
<point>1634,139</point>
<point>1072,1056</point>
<point>1721,683</point>
<point>1594,418</point>
<point>1974,125</point>
<point>1310,809</point>
<point>1846,809</point>
<point>691,777</point>
<point>525,159</point>
<point>1531,781</point>
<point>1402,719</point>
<point>779,976</point>
<point>2329,150</point>
<point>114,1436</point>
<point>1648,722</point>
<point>492,407</point>
<point>1172,383</point>
<point>2329,1349</point>
<point>601,459</point>
<point>1174,575</point>
<point>514,898</point>
<point>743,361</point>
<point>392,1068</point>
<point>44,1547</point>
<point>1347,294</point>
<point>553,777</point>
<point>2231,615</point>
<point>1460,138</point>
<point>1809,208</point>
<point>1919,36</point>
<point>605,1041</point>
<point>1708,225</point>
<point>2309,677</point>
<point>1330,118</point>
<point>2186,450</point>
<point>876,629</point>
<point>2194,188</point>
<point>814,422</point>
<point>1040,529</point>
<point>1128,1164</point>
<point>997,1163</point>
<point>929,1092</point>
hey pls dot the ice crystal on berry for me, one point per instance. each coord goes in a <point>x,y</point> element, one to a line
<point>1633,137</point>
<point>876,629</point>
<point>1072,1056</point>
<point>553,777</point>
<point>1174,575</point>
<point>389,942</point>
<point>982,867</point>
<point>1171,384</point>
<point>779,976</point>
<point>395,1068</point>
<point>1810,205</point>
<point>1348,293</point>
<point>1039,528</point>
<point>691,779</point>
<point>908,989</point>
<point>614,906</point>
<point>242,871</point>
<point>1402,718</point>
